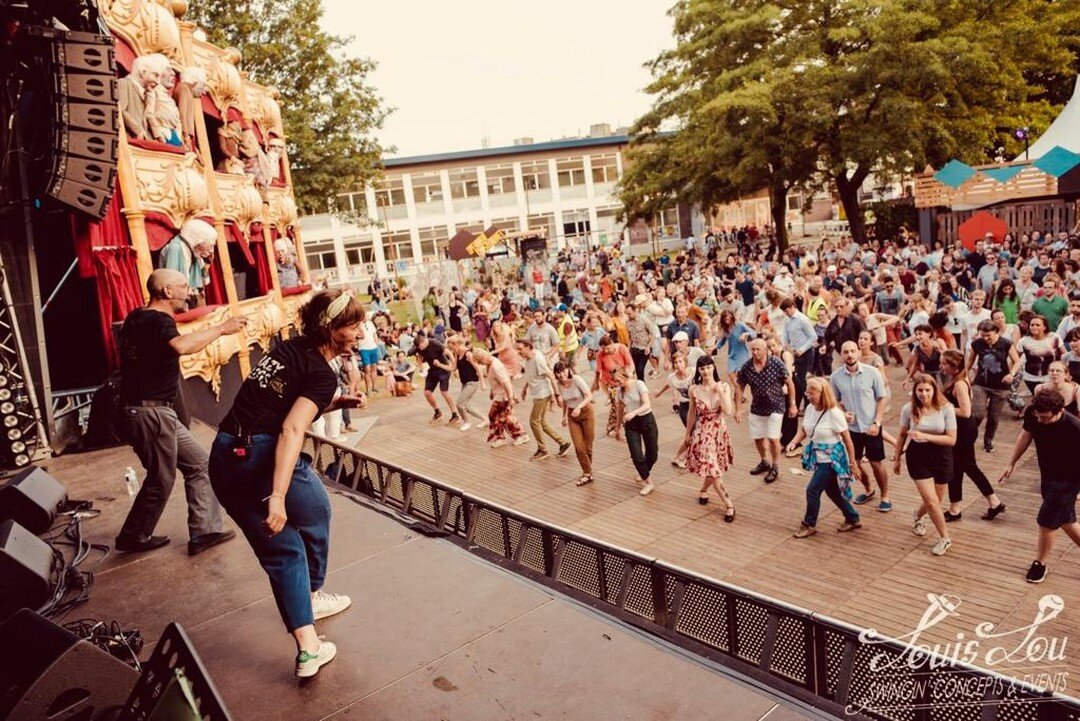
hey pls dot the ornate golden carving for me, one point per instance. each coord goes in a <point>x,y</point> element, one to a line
<point>223,76</point>
<point>293,304</point>
<point>265,319</point>
<point>240,200</point>
<point>281,208</point>
<point>168,183</point>
<point>147,26</point>
<point>208,362</point>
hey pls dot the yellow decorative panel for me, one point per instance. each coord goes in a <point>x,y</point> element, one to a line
<point>169,183</point>
<point>293,304</point>
<point>208,362</point>
<point>223,76</point>
<point>147,26</point>
<point>265,319</point>
<point>281,210</point>
<point>240,200</point>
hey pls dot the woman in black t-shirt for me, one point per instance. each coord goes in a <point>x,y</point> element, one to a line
<point>268,487</point>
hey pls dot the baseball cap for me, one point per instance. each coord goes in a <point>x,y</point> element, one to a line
<point>681,335</point>
<point>563,308</point>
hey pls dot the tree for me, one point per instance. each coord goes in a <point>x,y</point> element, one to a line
<point>329,109</point>
<point>863,86</point>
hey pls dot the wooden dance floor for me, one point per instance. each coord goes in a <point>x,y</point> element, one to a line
<point>877,577</point>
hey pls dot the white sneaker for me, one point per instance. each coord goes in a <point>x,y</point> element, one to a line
<point>919,529</point>
<point>646,489</point>
<point>482,424</point>
<point>941,547</point>
<point>499,443</point>
<point>465,426</point>
<point>521,440</point>
<point>308,664</point>
<point>328,604</point>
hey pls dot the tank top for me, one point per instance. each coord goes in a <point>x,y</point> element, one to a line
<point>930,363</point>
<point>466,371</point>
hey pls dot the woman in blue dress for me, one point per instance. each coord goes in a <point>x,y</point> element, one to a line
<point>736,335</point>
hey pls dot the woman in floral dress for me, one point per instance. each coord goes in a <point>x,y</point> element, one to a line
<point>708,448</point>
<point>503,427</point>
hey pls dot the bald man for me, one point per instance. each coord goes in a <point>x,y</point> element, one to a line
<point>769,382</point>
<point>150,350</point>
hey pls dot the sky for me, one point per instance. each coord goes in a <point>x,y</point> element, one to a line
<point>462,73</point>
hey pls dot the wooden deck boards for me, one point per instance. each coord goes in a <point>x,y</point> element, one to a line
<point>877,577</point>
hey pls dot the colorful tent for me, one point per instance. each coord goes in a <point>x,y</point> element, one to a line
<point>977,226</point>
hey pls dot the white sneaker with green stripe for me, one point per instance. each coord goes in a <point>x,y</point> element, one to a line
<point>308,664</point>
<point>325,604</point>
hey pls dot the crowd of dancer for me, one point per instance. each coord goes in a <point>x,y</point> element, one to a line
<point>728,335</point>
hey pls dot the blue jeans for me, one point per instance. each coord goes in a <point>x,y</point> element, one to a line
<point>295,559</point>
<point>824,479</point>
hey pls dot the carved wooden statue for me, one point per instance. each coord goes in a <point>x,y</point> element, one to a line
<point>162,112</point>
<point>133,91</point>
<point>188,93</point>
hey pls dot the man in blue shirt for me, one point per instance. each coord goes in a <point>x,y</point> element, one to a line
<point>860,392</point>
<point>800,338</point>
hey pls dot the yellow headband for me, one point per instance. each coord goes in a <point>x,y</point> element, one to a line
<point>334,309</point>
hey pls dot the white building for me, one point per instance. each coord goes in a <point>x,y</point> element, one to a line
<point>565,188</point>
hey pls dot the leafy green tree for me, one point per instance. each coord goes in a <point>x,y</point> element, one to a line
<point>328,106</point>
<point>865,86</point>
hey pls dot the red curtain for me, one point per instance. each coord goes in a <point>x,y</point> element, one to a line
<point>124,54</point>
<point>215,288</point>
<point>118,292</point>
<point>262,267</point>
<point>112,230</point>
<point>235,235</point>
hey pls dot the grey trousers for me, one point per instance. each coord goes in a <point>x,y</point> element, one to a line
<point>464,401</point>
<point>164,446</point>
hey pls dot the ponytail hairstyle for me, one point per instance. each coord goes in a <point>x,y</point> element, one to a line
<point>327,312</point>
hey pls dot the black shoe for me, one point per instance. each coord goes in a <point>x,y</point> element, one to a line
<point>772,474</point>
<point>127,545</point>
<point>988,446</point>
<point>950,517</point>
<point>760,468</point>
<point>208,540</point>
<point>539,456</point>
<point>992,513</point>
<point>703,500</point>
<point>1037,572</point>
<point>564,448</point>
<point>436,417</point>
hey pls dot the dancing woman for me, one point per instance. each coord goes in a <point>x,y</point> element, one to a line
<point>828,454</point>
<point>957,391</point>
<point>503,427</point>
<point>709,452</point>
<point>640,424</point>
<point>929,422</point>
<point>577,413</point>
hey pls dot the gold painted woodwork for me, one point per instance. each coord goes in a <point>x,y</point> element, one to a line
<point>168,183</point>
<point>208,362</point>
<point>147,26</point>
<point>281,208</point>
<point>981,190</point>
<point>292,305</point>
<point>223,80</point>
<point>239,199</point>
<point>265,320</point>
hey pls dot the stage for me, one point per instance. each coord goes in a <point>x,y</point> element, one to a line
<point>433,633</point>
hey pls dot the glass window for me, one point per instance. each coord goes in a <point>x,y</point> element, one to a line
<point>535,175</point>
<point>430,241</point>
<point>397,246</point>
<point>359,249</point>
<point>500,179</point>
<point>571,172</point>
<point>427,188</point>
<point>464,184</point>
<point>605,168</point>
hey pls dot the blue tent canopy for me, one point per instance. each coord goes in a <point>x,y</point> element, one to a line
<point>1003,175</point>
<point>954,173</point>
<point>1057,161</point>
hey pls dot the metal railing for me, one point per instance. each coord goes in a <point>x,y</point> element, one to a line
<point>807,656</point>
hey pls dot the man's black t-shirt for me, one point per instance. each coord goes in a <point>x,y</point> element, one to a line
<point>149,367</point>
<point>292,370</point>
<point>1056,444</point>
<point>747,290</point>
<point>434,351</point>
<point>993,363</point>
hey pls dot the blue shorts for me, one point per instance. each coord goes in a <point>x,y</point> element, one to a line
<point>369,356</point>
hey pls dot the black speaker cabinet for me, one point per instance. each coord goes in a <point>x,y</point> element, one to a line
<point>26,564</point>
<point>87,198</point>
<point>47,672</point>
<point>87,116</point>
<point>87,57</point>
<point>93,88</point>
<point>32,498</point>
<point>88,172</point>
<point>88,144</point>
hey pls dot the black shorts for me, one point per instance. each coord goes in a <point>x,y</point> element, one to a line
<point>437,378</point>
<point>1059,504</point>
<point>928,460</point>
<point>873,447</point>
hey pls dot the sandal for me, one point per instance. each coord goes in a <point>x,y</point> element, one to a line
<point>703,499</point>
<point>583,480</point>
<point>729,516</point>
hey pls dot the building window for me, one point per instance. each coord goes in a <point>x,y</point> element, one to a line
<point>605,168</point>
<point>427,188</point>
<point>430,240</point>
<point>397,246</point>
<point>353,203</point>
<point>390,193</point>
<point>794,201</point>
<point>359,249</point>
<point>464,184</point>
<point>320,258</point>
<point>500,179</point>
<point>571,172</point>
<point>535,176</point>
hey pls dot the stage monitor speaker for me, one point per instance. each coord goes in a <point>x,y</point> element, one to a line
<point>80,196</point>
<point>88,144</point>
<point>94,88</point>
<point>32,498</point>
<point>86,57</point>
<point>26,564</point>
<point>47,672</point>
<point>87,172</point>
<point>104,118</point>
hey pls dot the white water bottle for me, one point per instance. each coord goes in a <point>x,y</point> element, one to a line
<point>131,481</point>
